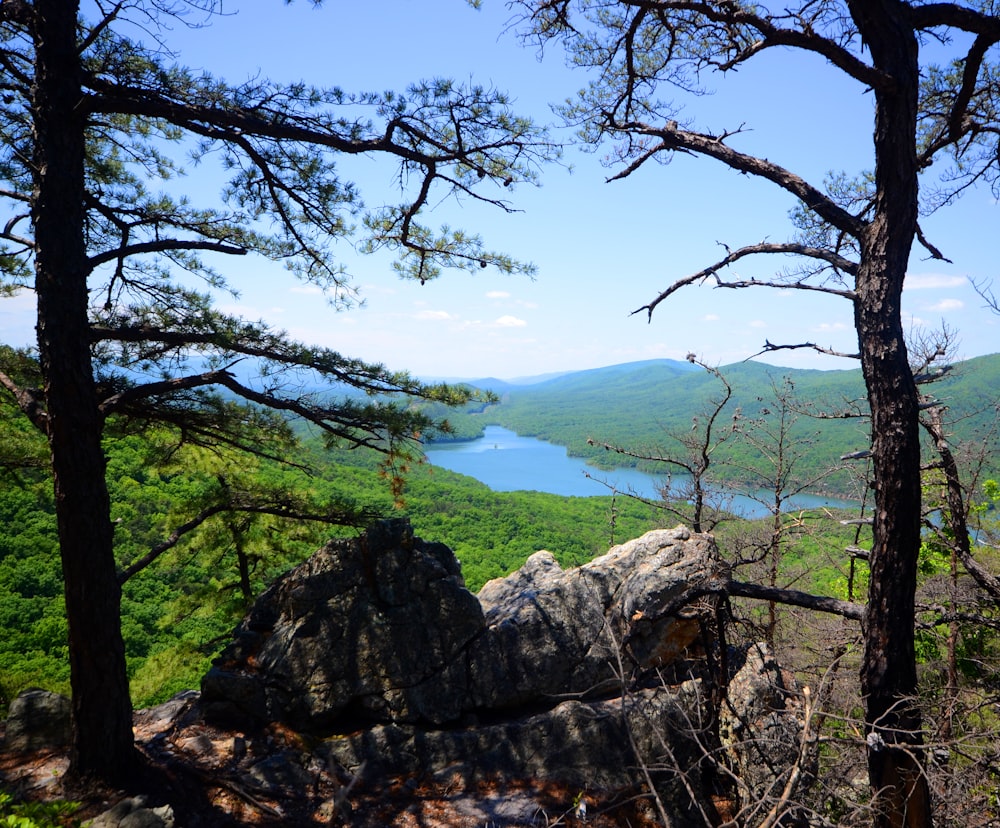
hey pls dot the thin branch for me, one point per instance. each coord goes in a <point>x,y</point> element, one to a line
<point>29,400</point>
<point>956,514</point>
<point>770,346</point>
<point>277,508</point>
<point>836,261</point>
<point>174,538</point>
<point>779,808</point>
<point>795,598</point>
<point>983,288</point>
<point>930,248</point>
<point>96,30</point>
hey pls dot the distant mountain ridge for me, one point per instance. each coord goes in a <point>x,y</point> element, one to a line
<point>645,406</point>
<point>496,384</point>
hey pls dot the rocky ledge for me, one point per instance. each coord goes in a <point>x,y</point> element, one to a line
<point>586,677</point>
<point>369,687</point>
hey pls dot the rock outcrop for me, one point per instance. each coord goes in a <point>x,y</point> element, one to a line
<point>134,813</point>
<point>381,630</point>
<point>369,688</point>
<point>374,650</point>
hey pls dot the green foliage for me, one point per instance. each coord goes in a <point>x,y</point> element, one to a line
<point>182,607</point>
<point>58,814</point>
<point>640,405</point>
<point>178,610</point>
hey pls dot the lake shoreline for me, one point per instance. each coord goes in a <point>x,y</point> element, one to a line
<point>506,461</point>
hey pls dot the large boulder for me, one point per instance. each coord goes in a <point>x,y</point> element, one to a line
<point>605,677</point>
<point>380,629</point>
<point>368,629</point>
<point>551,631</point>
<point>585,745</point>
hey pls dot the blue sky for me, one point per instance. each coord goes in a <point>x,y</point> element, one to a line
<point>602,249</point>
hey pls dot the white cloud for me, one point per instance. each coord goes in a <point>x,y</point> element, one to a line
<point>497,294</point>
<point>928,281</point>
<point>829,327</point>
<point>711,317</point>
<point>510,322</point>
<point>946,305</point>
<point>433,316</point>
<point>758,323</point>
<point>308,290</point>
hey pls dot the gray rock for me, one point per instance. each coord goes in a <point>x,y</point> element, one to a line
<point>369,629</point>
<point>552,631</point>
<point>590,746</point>
<point>281,772</point>
<point>761,723</point>
<point>133,813</point>
<point>375,648</point>
<point>381,629</point>
<point>39,719</point>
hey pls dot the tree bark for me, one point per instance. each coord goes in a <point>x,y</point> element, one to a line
<point>888,672</point>
<point>102,713</point>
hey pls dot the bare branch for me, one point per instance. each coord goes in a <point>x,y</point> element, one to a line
<point>828,256</point>
<point>795,598</point>
<point>779,808</point>
<point>956,514</point>
<point>770,346</point>
<point>983,288</point>
<point>791,597</point>
<point>29,400</point>
<point>930,248</point>
<point>672,138</point>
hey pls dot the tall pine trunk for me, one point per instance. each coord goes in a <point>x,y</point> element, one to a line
<point>888,673</point>
<point>102,712</point>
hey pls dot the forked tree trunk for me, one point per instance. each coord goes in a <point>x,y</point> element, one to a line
<point>102,713</point>
<point>888,673</point>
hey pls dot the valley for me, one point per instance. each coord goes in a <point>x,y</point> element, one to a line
<point>652,408</point>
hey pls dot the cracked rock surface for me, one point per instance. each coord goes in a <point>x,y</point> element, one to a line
<point>368,687</point>
<point>381,630</point>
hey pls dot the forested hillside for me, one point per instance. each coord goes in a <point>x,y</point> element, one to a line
<point>181,609</point>
<point>647,406</point>
<point>178,610</point>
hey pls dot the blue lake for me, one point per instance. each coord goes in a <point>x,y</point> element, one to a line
<point>507,462</point>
